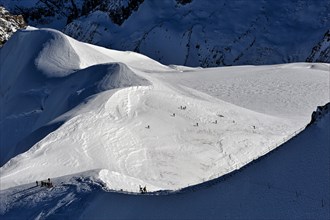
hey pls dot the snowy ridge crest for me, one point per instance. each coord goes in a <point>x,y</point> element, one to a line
<point>50,79</point>
<point>71,107</point>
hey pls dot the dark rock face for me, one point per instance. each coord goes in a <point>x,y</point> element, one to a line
<point>45,11</point>
<point>194,33</point>
<point>183,2</point>
<point>319,113</point>
<point>9,24</point>
<point>119,15</point>
<point>321,52</point>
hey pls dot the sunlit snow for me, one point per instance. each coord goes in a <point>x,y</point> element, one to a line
<point>134,121</point>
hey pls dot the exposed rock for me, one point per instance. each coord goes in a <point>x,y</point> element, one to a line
<point>46,11</point>
<point>183,2</point>
<point>119,15</point>
<point>9,24</point>
<point>321,52</point>
<point>319,113</point>
<point>194,33</point>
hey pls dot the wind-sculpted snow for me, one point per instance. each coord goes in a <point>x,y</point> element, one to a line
<point>62,96</point>
<point>137,122</point>
<point>30,95</point>
<point>290,182</point>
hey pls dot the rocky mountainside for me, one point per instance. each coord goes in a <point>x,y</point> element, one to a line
<point>321,52</point>
<point>320,112</point>
<point>191,32</point>
<point>9,24</point>
<point>58,13</point>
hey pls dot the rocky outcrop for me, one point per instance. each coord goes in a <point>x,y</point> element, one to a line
<point>121,14</point>
<point>46,11</point>
<point>183,2</point>
<point>194,33</point>
<point>319,113</point>
<point>9,24</point>
<point>321,52</point>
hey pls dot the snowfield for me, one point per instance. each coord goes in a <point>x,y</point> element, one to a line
<point>286,183</point>
<point>69,107</point>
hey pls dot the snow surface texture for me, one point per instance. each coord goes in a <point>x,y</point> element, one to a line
<point>291,182</point>
<point>201,33</point>
<point>75,107</point>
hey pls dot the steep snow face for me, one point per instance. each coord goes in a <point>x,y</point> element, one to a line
<point>197,33</point>
<point>137,122</point>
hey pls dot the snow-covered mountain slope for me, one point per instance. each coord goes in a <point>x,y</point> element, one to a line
<point>72,107</point>
<point>34,86</point>
<point>198,33</point>
<point>289,183</point>
<point>9,24</point>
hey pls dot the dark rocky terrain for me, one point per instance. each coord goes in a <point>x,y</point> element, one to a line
<point>190,32</point>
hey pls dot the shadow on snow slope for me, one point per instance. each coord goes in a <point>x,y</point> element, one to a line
<point>290,182</point>
<point>42,76</point>
<point>68,93</point>
<point>34,100</point>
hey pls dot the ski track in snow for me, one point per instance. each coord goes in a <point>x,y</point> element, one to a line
<point>242,114</point>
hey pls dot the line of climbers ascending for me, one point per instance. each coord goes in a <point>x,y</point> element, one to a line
<point>196,125</point>
<point>45,183</point>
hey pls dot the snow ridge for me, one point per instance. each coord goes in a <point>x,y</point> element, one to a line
<point>300,185</point>
<point>71,107</point>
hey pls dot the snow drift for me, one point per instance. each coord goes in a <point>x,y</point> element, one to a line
<point>32,95</point>
<point>68,107</point>
<point>296,174</point>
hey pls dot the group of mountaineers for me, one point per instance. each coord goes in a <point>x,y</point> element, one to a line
<point>142,190</point>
